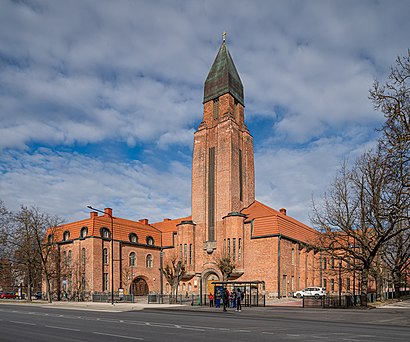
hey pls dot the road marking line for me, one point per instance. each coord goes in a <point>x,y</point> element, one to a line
<point>120,336</point>
<point>247,331</point>
<point>62,328</point>
<point>18,322</point>
<point>268,333</point>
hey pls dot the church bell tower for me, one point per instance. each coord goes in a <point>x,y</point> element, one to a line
<point>223,180</point>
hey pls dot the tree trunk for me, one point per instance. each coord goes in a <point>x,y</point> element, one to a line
<point>48,289</point>
<point>397,283</point>
<point>365,280</point>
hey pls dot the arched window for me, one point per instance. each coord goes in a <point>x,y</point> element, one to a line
<point>189,287</point>
<point>83,256</point>
<point>105,233</point>
<point>50,238</point>
<point>133,238</point>
<point>84,232</point>
<point>132,259</point>
<point>149,261</point>
<point>66,235</point>
<point>150,240</point>
<point>105,256</point>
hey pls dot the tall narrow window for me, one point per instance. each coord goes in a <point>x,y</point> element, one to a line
<point>216,108</point>
<point>348,284</point>
<point>185,253</point>
<point>229,248</point>
<point>211,195</point>
<point>240,176</point>
<point>149,261</point>
<point>239,249</point>
<point>83,256</point>
<point>83,281</point>
<point>190,253</point>
<point>235,108</point>
<point>132,259</point>
<point>332,285</point>
<point>293,257</point>
<point>105,256</point>
<point>325,283</point>
<point>70,258</point>
<point>324,263</point>
<point>64,259</point>
<point>234,249</point>
<point>180,251</point>
<point>333,263</point>
<point>105,282</point>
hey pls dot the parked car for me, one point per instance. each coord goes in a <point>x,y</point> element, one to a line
<point>7,295</point>
<point>316,292</point>
<point>39,295</point>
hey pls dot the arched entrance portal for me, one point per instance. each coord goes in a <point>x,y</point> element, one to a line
<point>208,279</point>
<point>139,287</point>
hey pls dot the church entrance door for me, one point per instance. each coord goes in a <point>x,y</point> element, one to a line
<point>140,287</point>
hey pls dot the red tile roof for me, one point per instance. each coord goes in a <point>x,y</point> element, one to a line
<point>268,221</point>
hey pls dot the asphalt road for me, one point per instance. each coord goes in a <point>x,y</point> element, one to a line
<point>36,323</point>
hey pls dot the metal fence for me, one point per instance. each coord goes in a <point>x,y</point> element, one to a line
<point>104,297</point>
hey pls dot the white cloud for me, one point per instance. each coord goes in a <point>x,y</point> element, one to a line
<point>65,183</point>
<point>91,73</point>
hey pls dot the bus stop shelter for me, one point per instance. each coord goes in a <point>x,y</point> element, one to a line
<point>249,288</point>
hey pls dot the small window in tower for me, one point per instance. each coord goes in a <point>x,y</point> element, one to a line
<point>234,249</point>
<point>235,108</point>
<point>216,108</point>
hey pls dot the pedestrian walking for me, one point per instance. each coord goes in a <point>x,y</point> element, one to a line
<point>211,299</point>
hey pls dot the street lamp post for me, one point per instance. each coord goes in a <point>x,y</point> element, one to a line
<point>112,249</point>
<point>340,281</point>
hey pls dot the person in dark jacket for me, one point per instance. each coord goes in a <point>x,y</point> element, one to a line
<point>225,298</point>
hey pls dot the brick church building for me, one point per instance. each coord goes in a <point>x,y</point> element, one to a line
<point>267,246</point>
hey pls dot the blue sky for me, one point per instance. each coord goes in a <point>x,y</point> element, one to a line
<point>99,100</point>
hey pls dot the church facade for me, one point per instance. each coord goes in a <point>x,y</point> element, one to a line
<point>266,245</point>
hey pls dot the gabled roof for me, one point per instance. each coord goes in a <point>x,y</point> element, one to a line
<point>268,222</point>
<point>223,77</point>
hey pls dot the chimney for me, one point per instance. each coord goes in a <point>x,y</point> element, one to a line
<point>282,211</point>
<point>108,212</point>
<point>167,219</point>
<point>93,214</point>
<point>144,221</point>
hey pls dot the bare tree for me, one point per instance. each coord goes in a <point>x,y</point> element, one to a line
<point>393,99</point>
<point>226,265</point>
<point>173,271</point>
<point>359,215</point>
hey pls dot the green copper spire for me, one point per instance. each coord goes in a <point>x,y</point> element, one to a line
<point>223,77</point>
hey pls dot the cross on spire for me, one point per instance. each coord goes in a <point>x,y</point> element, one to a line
<point>224,37</point>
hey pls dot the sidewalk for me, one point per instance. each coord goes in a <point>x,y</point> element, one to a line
<point>93,306</point>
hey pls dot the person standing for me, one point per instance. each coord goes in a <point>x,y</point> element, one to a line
<point>225,298</point>
<point>239,297</point>
<point>211,299</point>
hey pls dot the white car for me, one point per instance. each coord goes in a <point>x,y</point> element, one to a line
<point>316,292</point>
